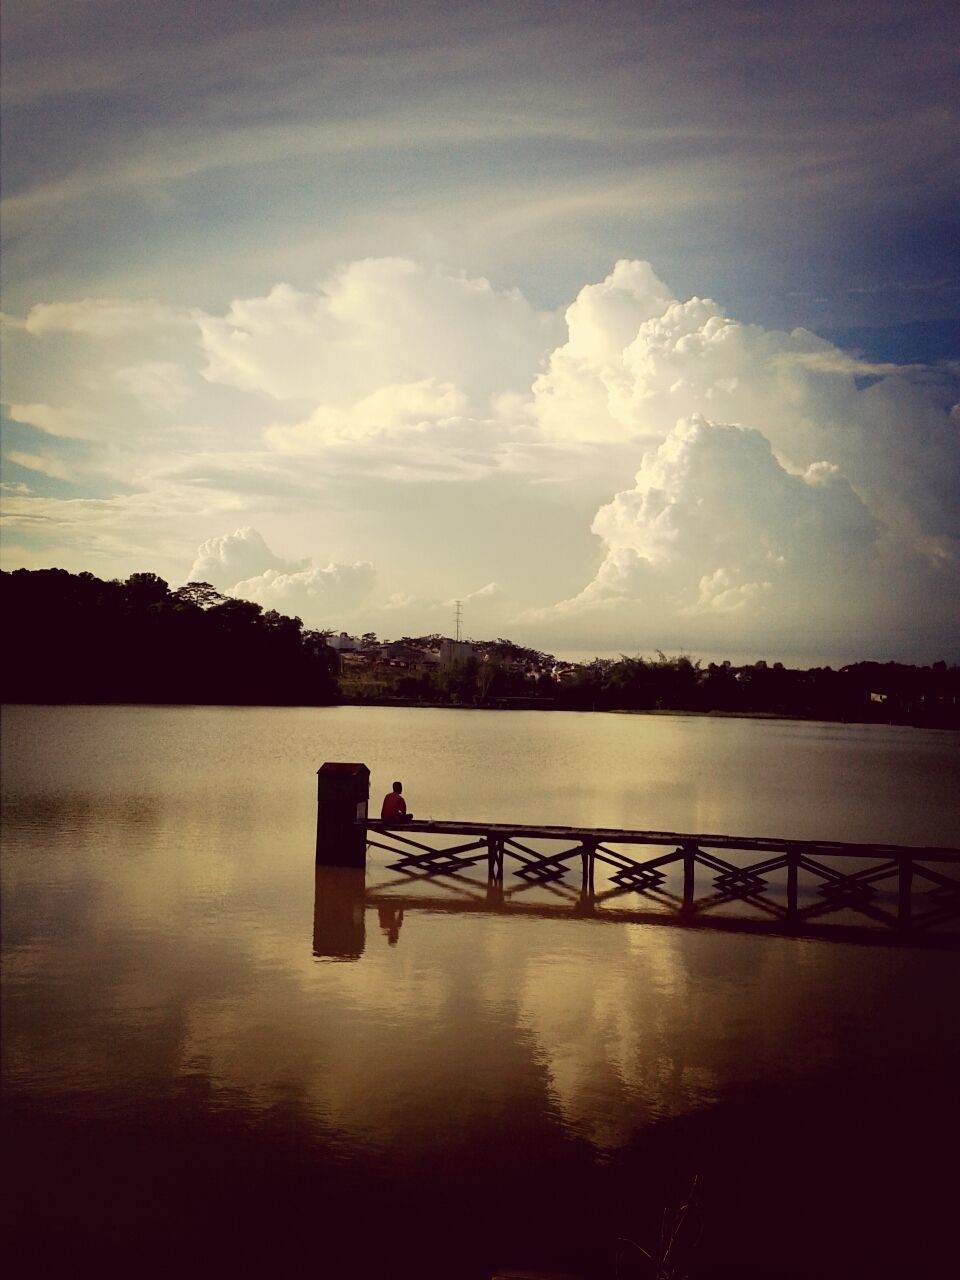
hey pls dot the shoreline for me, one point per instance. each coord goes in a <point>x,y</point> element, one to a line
<point>529,705</point>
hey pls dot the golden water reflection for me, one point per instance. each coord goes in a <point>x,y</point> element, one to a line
<point>169,949</point>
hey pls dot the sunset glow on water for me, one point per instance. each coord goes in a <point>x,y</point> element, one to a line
<point>170,1006</point>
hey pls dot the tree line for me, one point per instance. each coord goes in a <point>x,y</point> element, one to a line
<point>76,638</point>
<point>501,673</point>
<point>889,692</point>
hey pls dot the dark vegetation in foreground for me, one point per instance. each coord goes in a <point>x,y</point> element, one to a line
<point>75,638</point>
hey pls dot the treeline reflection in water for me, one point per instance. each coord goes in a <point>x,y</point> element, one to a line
<point>205,1073</point>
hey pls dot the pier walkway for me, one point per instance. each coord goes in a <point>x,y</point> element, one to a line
<point>872,892</point>
<point>815,888</point>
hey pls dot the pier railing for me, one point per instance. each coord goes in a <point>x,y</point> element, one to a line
<point>810,887</point>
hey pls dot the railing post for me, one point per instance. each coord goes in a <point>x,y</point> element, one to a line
<point>587,864</point>
<point>689,864</point>
<point>793,866</point>
<point>494,858</point>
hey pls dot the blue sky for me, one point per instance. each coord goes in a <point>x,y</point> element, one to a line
<point>307,270</point>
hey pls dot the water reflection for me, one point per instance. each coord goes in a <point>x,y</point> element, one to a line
<point>178,1048</point>
<point>391,918</point>
<point>339,931</point>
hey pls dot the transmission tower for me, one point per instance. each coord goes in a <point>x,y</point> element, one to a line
<point>458,619</point>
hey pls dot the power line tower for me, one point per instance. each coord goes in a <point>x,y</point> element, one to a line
<point>458,620</point>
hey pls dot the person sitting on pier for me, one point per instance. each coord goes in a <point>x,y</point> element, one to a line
<point>394,807</point>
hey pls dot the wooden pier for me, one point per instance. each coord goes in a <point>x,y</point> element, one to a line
<point>815,888</point>
<point>812,888</point>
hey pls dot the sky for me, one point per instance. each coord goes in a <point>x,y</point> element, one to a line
<point>632,326</point>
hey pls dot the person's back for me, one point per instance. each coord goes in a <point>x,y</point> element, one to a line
<point>394,806</point>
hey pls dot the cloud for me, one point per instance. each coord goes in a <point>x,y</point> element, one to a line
<point>241,564</point>
<point>102,317</point>
<point>404,613</point>
<point>833,360</point>
<point>718,539</point>
<point>157,384</point>
<point>716,515</point>
<point>320,596</point>
<point>72,422</point>
<point>777,496</point>
<point>113,535</point>
<point>637,360</point>
<point>235,557</point>
<point>379,323</point>
<point>483,593</point>
<point>783,488</point>
<point>47,465</point>
<point>388,410</point>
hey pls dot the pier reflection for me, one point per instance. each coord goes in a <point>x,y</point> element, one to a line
<point>823,889</point>
<point>339,932</point>
<point>391,918</point>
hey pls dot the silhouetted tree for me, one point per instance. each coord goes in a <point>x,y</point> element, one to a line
<point>201,594</point>
<point>78,639</point>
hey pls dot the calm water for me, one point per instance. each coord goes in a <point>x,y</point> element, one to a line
<point>190,1090</point>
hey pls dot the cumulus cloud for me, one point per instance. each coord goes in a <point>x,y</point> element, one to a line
<point>378,323</point>
<point>785,487</point>
<point>718,538</point>
<point>235,557</point>
<point>389,409</point>
<point>241,564</point>
<point>783,484</point>
<point>636,360</point>
<point>714,521</point>
<point>320,596</point>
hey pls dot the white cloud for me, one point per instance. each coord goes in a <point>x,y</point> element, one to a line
<point>833,360</point>
<point>827,516</point>
<point>483,593</point>
<point>72,422</point>
<point>157,384</point>
<point>102,317</point>
<point>637,360</point>
<point>775,493</point>
<point>389,409</point>
<point>402,613</point>
<point>716,496</point>
<point>717,538</point>
<point>320,596</point>
<point>46,465</point>
<point>241,564</point>
<point>234,557</point>
<point>398,600</point>
<point>378,323</point>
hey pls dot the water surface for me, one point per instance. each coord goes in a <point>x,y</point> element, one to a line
<point>189,1087</point>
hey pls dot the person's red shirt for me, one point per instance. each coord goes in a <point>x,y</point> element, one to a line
<point>394,806</point>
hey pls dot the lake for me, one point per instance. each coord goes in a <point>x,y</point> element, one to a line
<point>189,1089</point>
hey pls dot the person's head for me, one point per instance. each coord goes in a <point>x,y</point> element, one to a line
<point>398,787</point>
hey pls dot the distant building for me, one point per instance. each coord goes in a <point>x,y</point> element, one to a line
<point>452,651</point>
<point>343,643</point>
<point>405,655</point>
<point>565,673</point>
